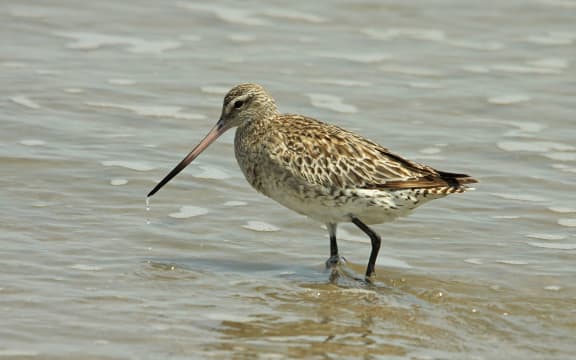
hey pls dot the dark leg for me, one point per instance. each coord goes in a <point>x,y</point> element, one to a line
<point>334,259</point>
<point>333,245</point>
<point>375,239</point>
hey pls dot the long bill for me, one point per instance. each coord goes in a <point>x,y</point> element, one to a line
<point>214,133</point>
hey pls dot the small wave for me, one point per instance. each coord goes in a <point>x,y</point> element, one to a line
<point>554,63</point>
<point>407,33</point>
<point>188,212</point>
<point>32,142</point>
<point>121,82</point>
<point>260,226</point>
<point>562,209</point>
<point>561,156</point>
<point>534,146</point>
<point>341,82</point>
<point>235,203</point>
<point>331,102</point>
<point>549,237</point>
<point>509,99</point>
<point>567,222</point>
<point>151,110</point>
<point>225,13</point>
<point>92,41</point>
<point>132,165</point>
<point>520,197</point>
<point>211,172</point>
<point>24,101</point>
<point>556,246</point>
<point>294,16</point>
<point>118,182</point>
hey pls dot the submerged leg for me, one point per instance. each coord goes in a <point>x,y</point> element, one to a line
<point>375,240</point>
<point>335,258</point>
<point>333,244</point>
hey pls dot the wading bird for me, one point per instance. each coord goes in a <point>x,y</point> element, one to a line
<point>320,170</point>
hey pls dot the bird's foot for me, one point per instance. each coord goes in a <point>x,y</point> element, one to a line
<point>335,261</point>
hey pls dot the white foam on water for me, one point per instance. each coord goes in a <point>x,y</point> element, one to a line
<point>217,90</point>
<point>555,246</point>
<point>331,102</point>
<point>174,112</point>
<point>430,150</point>
<point>188,212</point>
<point>242,38</point>
<point>74,90</point>
<point>474,261</point>
<point>281,13</point>
<point>425,85</point>
<point>41,204</point>
<point>520,197</point>
<point>341,82</point>
<point>561,156</point>
<point>211,172</point>
<point>226,13</point>
<point>562,209</point>
<point>132,165</point>
<point>567,222</point>
<point>91,41</point>
<point>527,126</point>
<point>549,237</point>
<point>505,217</point>
<point>24,101</point>
<point>477,45</point>
<point>121,82</point>
<point>554,63</point>
<point>534,146</point>
<point>512,262</point>
<point>524,69</point>
<point>392,262</point>
<point>235,203</point>
<point>408,33</point>
<point>564,168</point>
<point>480,69</point>
<point>553,288</point>
<point>118,182</point>
<point>147,207</point>
<point>427,157</point>
<point>85,267</point>
<point>359,291</point>
<point>32,142</point>
<point>509,99</point>
<point>260,226</point>
<point>366,58</point>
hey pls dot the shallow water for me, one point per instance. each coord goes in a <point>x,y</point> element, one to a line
<point>101,99</point>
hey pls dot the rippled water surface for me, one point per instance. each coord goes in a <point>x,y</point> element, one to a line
<point>100,99</point>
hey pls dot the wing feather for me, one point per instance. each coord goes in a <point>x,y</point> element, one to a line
<point>331,156</point>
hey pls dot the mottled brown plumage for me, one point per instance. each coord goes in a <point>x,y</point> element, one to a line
<point>320,170</point>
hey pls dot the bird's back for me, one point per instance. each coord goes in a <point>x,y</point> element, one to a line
<point>322,154</point>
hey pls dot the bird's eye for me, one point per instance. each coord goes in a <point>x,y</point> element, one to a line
<point>238,104</point>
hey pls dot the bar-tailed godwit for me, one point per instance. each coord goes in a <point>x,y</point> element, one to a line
<point>320,170</point>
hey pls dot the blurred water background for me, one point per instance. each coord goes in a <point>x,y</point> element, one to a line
<point>100,99</point>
